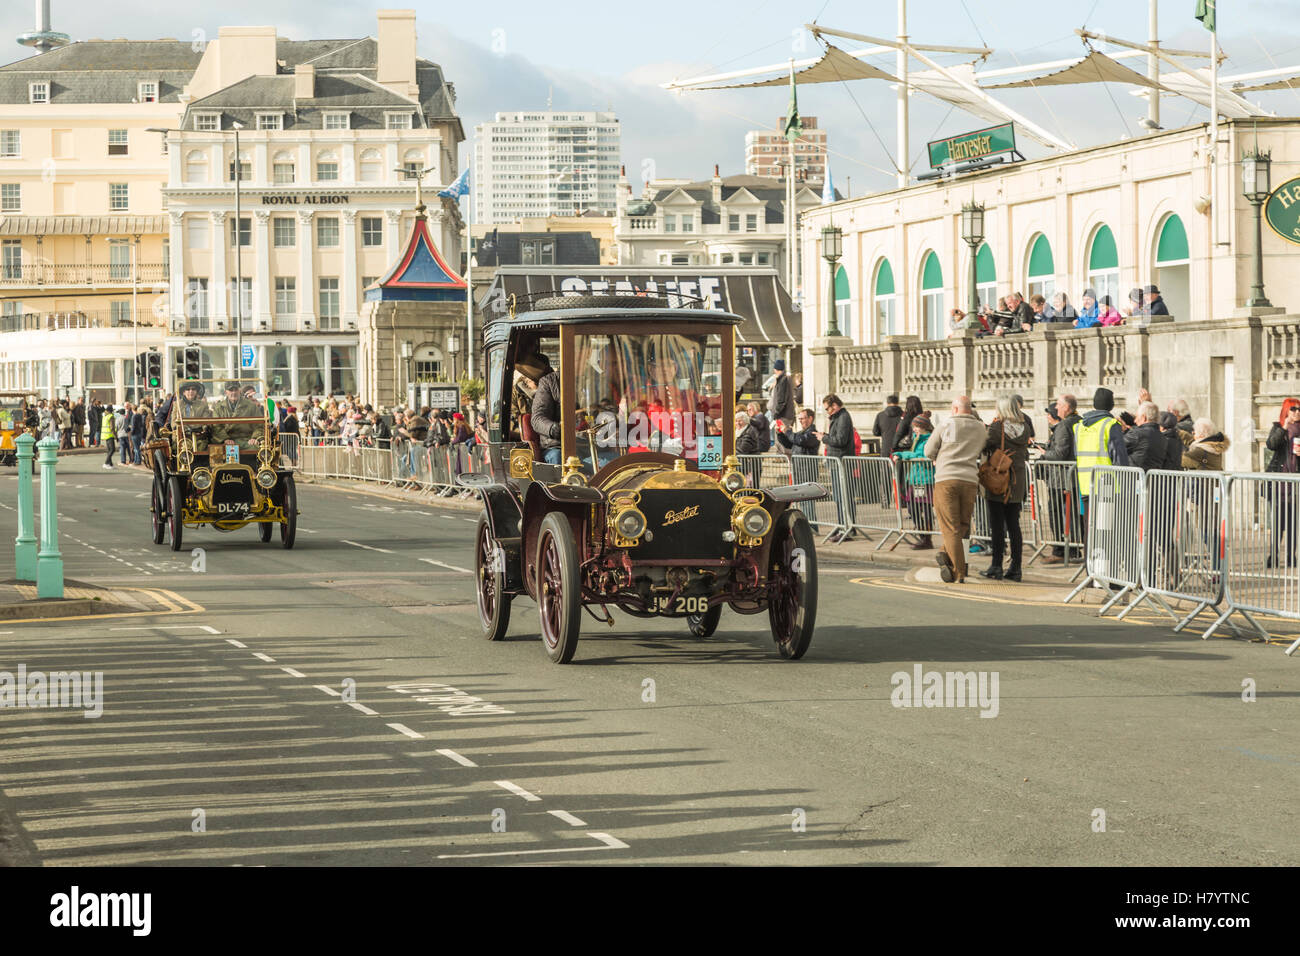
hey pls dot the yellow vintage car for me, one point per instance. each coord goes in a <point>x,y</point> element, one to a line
<point>13,417</point>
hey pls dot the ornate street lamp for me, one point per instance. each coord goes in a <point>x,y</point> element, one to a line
<point>832,249</point>
<point>406,352</point>
<point>1255,173</point>
<point>453,346</point>
<point>972,231</point>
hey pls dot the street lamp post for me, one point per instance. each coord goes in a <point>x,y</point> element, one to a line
<point>1255,174</point>
<point>453,346</point>
<point>832,249</point>
<point>972,231</point>
<point>406,350</point>
<point>239,260</point>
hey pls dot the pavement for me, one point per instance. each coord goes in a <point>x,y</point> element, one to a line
<point>335,704</point>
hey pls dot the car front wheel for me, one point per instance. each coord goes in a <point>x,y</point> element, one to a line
<point>703,625</point>
<point>493,602</point>
<point>175,512</point>
<point>558,597</point>
<point>792,585</point>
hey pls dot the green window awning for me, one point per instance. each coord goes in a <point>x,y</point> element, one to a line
<point>1173,242</point>
<point>841,285</point>
<point>884,279</point>
<point>1103,256</point>
<point>932,275</point>
<point>1040,258</point>
<point>984,270</point>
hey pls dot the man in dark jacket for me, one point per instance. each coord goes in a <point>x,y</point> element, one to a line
<point>94,415</point>
<point>761,425</point>
<point>838,439</point>
<point>1173,460</point>
<point>545,417</point>
<point>1183,412</point>
<point>78,423</point>
<point>780,407</point>
<point>801,442</point>
<point>886,424</point>
<point>1146,444</point>
<point>138,425</point>
<point>1060,481</point>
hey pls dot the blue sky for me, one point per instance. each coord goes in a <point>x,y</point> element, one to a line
<point>509,55</point>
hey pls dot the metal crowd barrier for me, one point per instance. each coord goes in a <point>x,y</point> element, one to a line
<point>981,526</point>
<point>1182,541</point>
<point>1263,515</point>
<point>767,471</point>
<point>875,500</point>
<point>1115,509</point>
<point>835,512</point>
<point>1056,509</point>
<point>917,494</point>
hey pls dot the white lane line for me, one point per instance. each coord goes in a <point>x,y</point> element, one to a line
<point>517,790</point>
<point>463,761</point>
<point>449,567</point>
<point>567,817</point>
<point>448,517</point>
<point>262,657</point>
<point>231,640</point>
<point>327,690</point>
<point>470,520</point>
<point>603,837</point>
<point>174,627</point>
<point>306,531</point>
<point>358,544</point>
<point>403,729</point>
<point>614,843</point>
<point>364,709</point>
<point>291,672</point>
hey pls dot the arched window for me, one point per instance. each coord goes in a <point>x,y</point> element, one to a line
<point>886,303</point>
<point>986,277</point>
<point>1172,272</point>
<point>372,166</point>
<point>843,303</point>
<point>1040,276</point>
<point>283,168</point>
<point>1103,266</point>
<point>245,166</point>
<point>932,319</point>
<point>196,166</point>
<point>429,364</point>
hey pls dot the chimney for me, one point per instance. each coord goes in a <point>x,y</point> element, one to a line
<point>396,59</point>
<point>244,52</point>
<point>717,186</point>
<point>304,81</point>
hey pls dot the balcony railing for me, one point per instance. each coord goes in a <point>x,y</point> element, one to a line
<point>50,321</point>
<point>91,275</point>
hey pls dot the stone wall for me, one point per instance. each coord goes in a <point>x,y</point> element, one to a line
<point>1234,371</point>
<point>384,326</point>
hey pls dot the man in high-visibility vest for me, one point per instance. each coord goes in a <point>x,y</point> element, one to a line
<point>108,434</point>
<point>1098,441</point>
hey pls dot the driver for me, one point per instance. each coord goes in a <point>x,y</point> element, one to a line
<point>234,405</point>
<point>188,401</point>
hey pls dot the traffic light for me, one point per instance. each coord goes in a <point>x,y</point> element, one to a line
<point>153,369</point>
<point>140,365</point>
<point>193,361</point>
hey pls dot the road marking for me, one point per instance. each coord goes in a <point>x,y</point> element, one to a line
<point>358,544</point>
<point>364,709</point>
<point>470,520</point>
<point>262,657</point>
<point>614,843</point>
<point>608,843</point>
<point>448,517</point>
<point>518,791</point>
<point>403,729</point>
<point>328,690</point>
<point>231,640</point>
<point>175,627</point>
<point>292,673</point>
<point>306,531</point>
<point>449,567</point>
<point>463,761</point>
<point>567,817</point>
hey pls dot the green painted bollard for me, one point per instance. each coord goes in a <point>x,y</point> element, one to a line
<point>49,563</point>
<point>25,543</point>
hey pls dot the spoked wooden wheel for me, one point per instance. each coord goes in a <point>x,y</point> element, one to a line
<point>289,499</point>
<point>175,512</point>
<point>558,597</point>
<point>792,580</point>
<point>493,602</point>
<point>158,512</point>
<point>704,624</point>
<point>264,531</point>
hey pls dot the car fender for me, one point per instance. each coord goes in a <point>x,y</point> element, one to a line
<point>808,491</point>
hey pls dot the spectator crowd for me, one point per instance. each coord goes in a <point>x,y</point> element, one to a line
<point>1015,314</point>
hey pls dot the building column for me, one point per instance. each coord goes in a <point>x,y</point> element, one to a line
<point>348,283</point>
<point>262,281</point>
<point>306,273</point>
<point>219,289</point>
<point>176,275</point>
<point>394,217</point>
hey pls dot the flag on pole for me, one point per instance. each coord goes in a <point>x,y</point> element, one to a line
<point>459,188</point>
<point>793,127</point>
<point>828,188</point>
<point>1205,13</point>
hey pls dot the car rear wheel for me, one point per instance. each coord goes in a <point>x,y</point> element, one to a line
<point>158,512</point>
<point>493,602</point>
<point>792,585</point>
<point>175,512</point>
<point>558,597</point>
<point>264,531</point>
<point>703,625</point>
<point>289,498</point>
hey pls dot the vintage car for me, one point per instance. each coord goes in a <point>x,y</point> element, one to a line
<point>629,496</point>
<point>13,422</point>
<point>216,461</point>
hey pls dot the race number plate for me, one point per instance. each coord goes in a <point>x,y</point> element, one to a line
<point>232,454</point>
<point>710,452</point>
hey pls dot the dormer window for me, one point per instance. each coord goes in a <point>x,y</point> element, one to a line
<point>337,120</point>
<point>397,120</point>
<point>147,91</point>
<point>272,121</point>
<point>207,122</point>
<point>38,92</point>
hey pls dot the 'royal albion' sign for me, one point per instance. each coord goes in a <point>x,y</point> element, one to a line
<point>309,199</point>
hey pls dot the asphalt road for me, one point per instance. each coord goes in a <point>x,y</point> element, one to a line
<point>230,736</point>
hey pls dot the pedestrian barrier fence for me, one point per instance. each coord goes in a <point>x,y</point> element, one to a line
<point>875,497</point>
<point>981,527</point>
<point>766,471</point>
<point>1263,512</point>
<point>1114,515</point>
<point>833,514</point>
<point>1057,518</point>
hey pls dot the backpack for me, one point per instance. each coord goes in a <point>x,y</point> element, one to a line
<point>857,443</point>
<point>995,472</point>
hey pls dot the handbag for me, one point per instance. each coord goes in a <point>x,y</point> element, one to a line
<point>995,471</point>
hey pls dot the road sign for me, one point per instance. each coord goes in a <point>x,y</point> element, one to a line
<point>65,373</point>
<point>1282,210</point>
<point>246,357</point>
<point>446,397</point>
